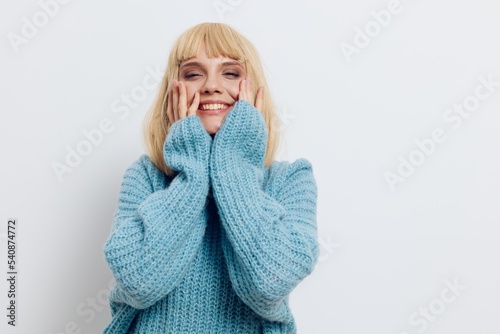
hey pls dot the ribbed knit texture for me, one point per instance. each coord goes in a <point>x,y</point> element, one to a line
<point>218,247</point>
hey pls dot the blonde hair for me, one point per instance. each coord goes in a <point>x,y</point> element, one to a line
<point>219,40</point>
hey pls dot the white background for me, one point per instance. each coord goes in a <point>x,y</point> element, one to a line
<point>386,254</point>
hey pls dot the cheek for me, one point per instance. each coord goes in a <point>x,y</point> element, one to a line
<point>190,90</point>
<point>234,89</point>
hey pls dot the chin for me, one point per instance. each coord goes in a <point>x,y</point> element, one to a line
<point>211,123</point>
<point>211,126</point>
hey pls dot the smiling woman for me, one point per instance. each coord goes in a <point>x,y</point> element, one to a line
<point>211,234</point>
<point>206,55</point>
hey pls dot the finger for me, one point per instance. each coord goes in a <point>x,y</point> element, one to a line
<point>182,100</point>
<point>175,101</point>
<point>249,91</point>
<point>259,101</point>
<point>241,95</point>
<point>170,111</point>
<point>194,106</point>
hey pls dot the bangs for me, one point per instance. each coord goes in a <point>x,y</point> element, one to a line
<point>219,40</point>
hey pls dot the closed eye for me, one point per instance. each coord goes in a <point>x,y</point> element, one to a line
<point>190,75</point>
<point>232,74</point>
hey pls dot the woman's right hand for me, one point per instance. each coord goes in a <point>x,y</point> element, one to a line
<point>177,107</point>
<point>187,146</point>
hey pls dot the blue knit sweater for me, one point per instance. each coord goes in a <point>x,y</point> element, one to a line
<point>219,246</point>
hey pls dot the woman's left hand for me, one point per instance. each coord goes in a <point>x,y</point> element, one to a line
<point>247,94</point>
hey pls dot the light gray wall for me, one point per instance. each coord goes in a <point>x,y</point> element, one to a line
<point>409,188</point>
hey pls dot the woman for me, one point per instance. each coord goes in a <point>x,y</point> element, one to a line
<point>211,234</point>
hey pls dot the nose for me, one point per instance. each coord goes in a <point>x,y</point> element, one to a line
<point>211,85</point>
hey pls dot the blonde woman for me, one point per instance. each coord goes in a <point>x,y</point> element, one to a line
<point>211,233</point>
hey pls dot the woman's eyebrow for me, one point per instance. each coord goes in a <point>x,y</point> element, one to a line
<point>191,63</point>
<point>230,63</point>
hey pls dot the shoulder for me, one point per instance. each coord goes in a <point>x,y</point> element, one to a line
<point>282,174</point>
<point>286,168</point>
<point>143,172</point>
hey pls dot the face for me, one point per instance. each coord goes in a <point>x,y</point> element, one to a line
<point>218,82</point>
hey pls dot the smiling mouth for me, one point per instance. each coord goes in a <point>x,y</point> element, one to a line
<point>214,106</point>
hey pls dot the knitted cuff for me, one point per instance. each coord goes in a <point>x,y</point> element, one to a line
<point>187,146</point>
<point>242,138</point>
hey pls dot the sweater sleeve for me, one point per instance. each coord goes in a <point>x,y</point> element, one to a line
<point>270,242</point>
<point>156,234</point>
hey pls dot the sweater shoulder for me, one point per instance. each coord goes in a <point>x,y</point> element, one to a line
<point>282,173</point>
<point>289,167</point>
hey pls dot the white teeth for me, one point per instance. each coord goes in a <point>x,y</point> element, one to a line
<point>214,106</point>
